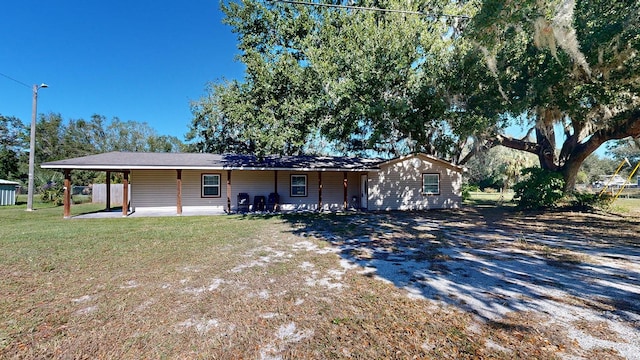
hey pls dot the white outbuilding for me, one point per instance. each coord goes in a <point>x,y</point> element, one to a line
<point>8,192</point>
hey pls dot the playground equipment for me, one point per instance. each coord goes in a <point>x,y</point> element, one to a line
<point>613,176</point>
<point>626,182</point>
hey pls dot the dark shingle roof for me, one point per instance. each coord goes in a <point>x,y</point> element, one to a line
<point>134,160</point>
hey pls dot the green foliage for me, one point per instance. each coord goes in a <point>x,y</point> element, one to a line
<point>12,135</point>
<point>58,139</point>
<point>498,167</point>
<point>595,167</point>
<point>588,200</point>
<point>568,64</point>
<point>52,192</point>
<point>357,81</point>
<point>540,188</point>
<point>628,148</point>
<point>467,189</point>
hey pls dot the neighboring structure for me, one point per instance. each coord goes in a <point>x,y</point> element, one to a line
<point>8,192</point>
<point>612,181</point>
<point>217,183</point>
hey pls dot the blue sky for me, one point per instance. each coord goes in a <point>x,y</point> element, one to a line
<point>141,60</point>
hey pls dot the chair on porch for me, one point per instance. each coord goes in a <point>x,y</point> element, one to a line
<point>273,202</point>
<point>243,203</point>
<point>258,203</point>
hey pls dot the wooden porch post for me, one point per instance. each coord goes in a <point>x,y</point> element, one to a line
<point>108,207</point>
<point>179,192</point>
<point>275,181</point>
<point>67,193</point>
<point>125,193</point>
<point>228,191</point>
<point>345,184</point>
<point>319,191</point>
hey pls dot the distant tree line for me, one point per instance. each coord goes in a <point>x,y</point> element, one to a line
<point>58,139</point>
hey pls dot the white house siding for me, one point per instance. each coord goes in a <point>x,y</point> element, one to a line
<point>290,203</point>
<point>398,185</point>
<point>192,191</point>
<point>157,189</point>
<point>153,188</point>
<point>253,182</point>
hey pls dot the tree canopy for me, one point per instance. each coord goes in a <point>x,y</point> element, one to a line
<point>353,81</point>
<point>361,81</point>
<point>564,66</point>
<point>11,145</point>
<point>58,139</point>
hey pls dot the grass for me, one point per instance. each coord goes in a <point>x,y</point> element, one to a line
<point>622,205</point>
<point>480,198</point>
<point>626,206</point>
<point>226,287</point>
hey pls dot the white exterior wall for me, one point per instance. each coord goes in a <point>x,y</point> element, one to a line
<point>398,185</point>
<point>153,188</point>
<point>192,191</point>
<point>7,194</point>
<point>158,189</point>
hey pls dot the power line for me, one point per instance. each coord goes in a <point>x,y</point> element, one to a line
<point>18,81</point>
<point>351,7</point>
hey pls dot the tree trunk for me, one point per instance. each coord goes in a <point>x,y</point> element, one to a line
<point>570,173</point>
<point>546,152</point>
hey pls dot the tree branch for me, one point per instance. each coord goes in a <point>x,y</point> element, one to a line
<point>517,144</point>
<point>629,127</point>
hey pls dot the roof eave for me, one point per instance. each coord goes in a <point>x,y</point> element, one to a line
<point>174,167</point>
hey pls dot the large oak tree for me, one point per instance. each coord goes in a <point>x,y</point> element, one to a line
<point>568,69</point>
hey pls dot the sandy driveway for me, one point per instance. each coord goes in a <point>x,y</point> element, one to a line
<point>574,273</point>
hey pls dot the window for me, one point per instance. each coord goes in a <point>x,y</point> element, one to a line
<point>431,184</point>
<point>298,185</point>
<point>211,185</point>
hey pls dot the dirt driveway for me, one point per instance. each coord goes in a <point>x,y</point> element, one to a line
<point>570,274</point>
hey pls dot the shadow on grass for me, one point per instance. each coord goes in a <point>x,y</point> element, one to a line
<point>493,260</point>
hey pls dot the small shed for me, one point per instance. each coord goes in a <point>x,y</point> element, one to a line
<point>8,192</point>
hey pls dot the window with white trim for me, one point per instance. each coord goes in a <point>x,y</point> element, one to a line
<point>431,184</point>
<point>211,185</point>
<point>298,185</point>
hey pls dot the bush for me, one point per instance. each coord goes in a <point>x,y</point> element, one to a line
<point>540,189</point>
<point>466,189</point>
<point>590,200</point>
<point>52,192</point>
<point>493,182</point>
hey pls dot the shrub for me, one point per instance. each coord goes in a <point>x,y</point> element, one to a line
<point>540,188</point>
<point>466,189</point>
<point>590,200</point>
<point>52,192</point>
<point>493,182</point>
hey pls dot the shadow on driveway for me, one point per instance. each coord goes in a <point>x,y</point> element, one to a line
<point>495,261</point>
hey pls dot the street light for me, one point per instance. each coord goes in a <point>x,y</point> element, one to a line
<point>32,144</point>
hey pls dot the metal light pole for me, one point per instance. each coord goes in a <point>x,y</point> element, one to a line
<point>32,144</point>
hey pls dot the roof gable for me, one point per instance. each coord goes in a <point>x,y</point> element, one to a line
<point>423,156</point>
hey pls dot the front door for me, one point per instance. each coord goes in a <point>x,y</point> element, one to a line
<point>364,193</point>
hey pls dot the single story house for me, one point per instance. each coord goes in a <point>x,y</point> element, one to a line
<point>231,183</point>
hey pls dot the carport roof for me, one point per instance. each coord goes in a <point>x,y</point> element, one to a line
<point>200,161</point>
